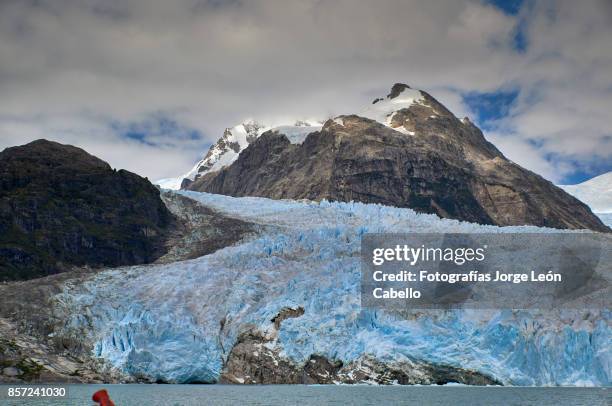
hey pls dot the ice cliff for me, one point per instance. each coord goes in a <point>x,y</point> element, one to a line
<point>178,322</point>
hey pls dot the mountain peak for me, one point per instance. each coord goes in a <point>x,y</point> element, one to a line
<point>62,207</point>
<point>235,139</point>
<point>396,89</point>
<point>53,154</point>
<point>401,97</point>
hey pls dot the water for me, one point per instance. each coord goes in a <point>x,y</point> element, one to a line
<point>183,395</point>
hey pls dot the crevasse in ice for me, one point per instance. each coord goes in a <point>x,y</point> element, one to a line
<point>163,322</point>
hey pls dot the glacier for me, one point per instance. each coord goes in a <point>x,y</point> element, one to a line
<point>606,218</point>
<point>177,322</point>
<point>595,192</point>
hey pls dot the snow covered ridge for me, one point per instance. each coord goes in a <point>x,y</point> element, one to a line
<point>595,192</point>
<point>163,322</point>
<point>235,140</point>
<point>383,109</point>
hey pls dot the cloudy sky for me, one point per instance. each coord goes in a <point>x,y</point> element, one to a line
<point>148,85</point>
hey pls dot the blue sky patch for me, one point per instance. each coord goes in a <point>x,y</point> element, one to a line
<point>511,7</point>
<point>490,107</point>
<point>581,173</point>
<point>154,128</point>
<point>520,37</point>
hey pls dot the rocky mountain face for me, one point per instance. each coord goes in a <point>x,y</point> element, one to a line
<point>233,141</point>
<point>406,150</point>
<point>61,207</point>
<point>225,150</point>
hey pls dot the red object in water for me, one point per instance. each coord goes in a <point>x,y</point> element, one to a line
<point>101,398</point>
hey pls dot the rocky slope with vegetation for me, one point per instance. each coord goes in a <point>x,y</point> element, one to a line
<point>62,207</point>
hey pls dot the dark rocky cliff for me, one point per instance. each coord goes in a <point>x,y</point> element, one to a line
<point>424,158</point>
<point>61,207</point>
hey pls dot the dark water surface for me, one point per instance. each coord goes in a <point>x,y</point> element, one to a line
<point>150,395</point>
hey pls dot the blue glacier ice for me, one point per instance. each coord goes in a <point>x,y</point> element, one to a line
<point>163,322</point>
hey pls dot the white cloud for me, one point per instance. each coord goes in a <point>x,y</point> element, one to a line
<point>527,155</point>
<point>565,79</point>
<point>66,63</point>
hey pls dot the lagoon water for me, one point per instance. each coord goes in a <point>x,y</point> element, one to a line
<point>187,395</point>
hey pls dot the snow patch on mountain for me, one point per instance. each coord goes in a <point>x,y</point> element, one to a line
<point>383,109</point>
<point>297,134</point>
<point>226,149</point>
<point>169,183</point>
<point>177,322</point>
<point>595,192</point>
<point>234,140</point>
